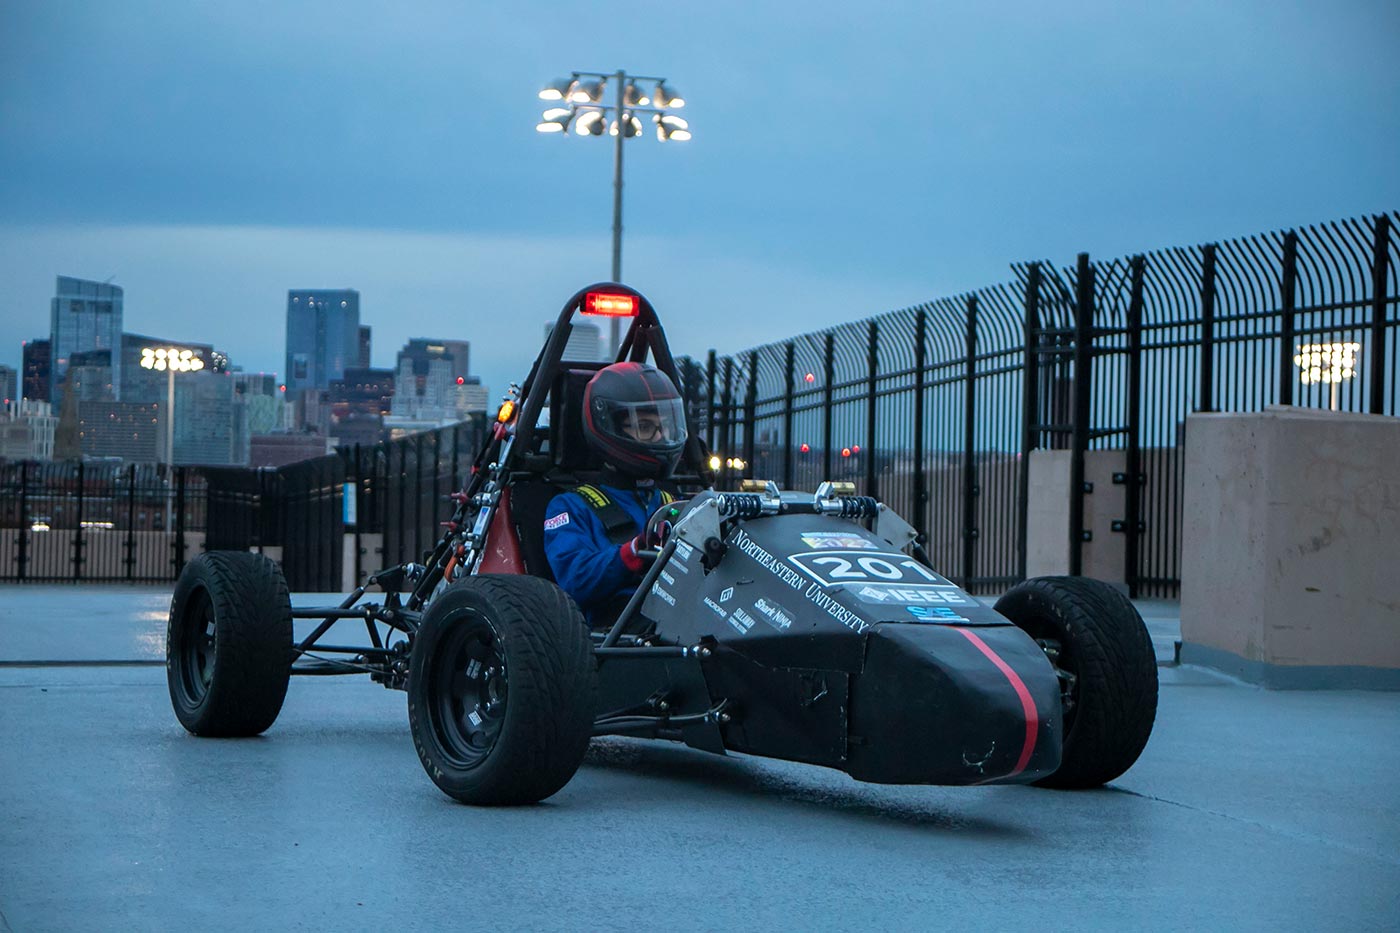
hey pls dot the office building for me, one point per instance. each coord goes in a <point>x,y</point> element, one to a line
<point>34,370</point>
<point>584,344</point>
<point>132,431</point>
<point>365,339</point>
<point>83,316</point>
<point>323,337</point>
<point>9,384</point>
<point>27,430</point>
<point>204,419</point>
<point>358,405</point>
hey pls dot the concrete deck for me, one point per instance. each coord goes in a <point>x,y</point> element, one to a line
<point>1249,810</point>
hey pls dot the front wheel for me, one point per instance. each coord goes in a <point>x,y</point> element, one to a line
<point>1102,653</point>
<point>228,644</point>
<point>502,690</point>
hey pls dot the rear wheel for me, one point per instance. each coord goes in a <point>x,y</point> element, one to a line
<point>502,690</point>
<point>1102,653</point>
<point>228,644</point>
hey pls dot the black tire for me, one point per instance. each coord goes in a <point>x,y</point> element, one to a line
<point>228,645</point>
<point>502,690</point>
<point>1100,646</point>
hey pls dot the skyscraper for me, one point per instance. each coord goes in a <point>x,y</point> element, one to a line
<point>35,370</point>
<point>323,337</point>
<point>584,344</point>
<point>83,316</point>
<point>9,384</point>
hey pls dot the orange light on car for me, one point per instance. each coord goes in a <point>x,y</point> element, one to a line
<point>610,305</point>
<point>506,413</point>
<point>845,451</point>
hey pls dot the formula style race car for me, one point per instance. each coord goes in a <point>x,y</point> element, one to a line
<point>805,626</point>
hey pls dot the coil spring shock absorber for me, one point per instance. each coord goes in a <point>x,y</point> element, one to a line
<point>859,507</point>
<point>741,505</point>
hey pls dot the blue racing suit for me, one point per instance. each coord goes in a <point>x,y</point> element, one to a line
<point>596,571</point>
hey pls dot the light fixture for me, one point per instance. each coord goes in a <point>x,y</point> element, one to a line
<point>669,127</point>
<point>557,90</point>
<point>556,120</point>
<point>667,97</point>
<point>1327,364</point>
<point>633,125</point>
<point>590,123</point>
<point>634,96</point>
<point>589,92</point>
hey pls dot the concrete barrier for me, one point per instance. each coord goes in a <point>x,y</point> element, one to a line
<point>1291,564</point>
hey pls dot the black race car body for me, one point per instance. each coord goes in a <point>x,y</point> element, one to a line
<point>830,644</point>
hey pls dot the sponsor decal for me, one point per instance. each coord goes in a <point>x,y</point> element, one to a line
<point>558,521</point>
<point>832,568</point>
<point>773,614</point>
<point>941,614</point>
<point>835,539</point>
<point>665,596</point>
<point>727,595</point>
<point>741,621</point>
<point>719,610</point>
<point>909,593</point>
<point>752,549</point>
<point>668,578</point>
<point>684,551</point>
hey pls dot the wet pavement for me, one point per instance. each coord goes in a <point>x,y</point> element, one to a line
<point>1250,809</point>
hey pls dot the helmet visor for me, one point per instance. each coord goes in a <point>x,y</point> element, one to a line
<point>660,422</point>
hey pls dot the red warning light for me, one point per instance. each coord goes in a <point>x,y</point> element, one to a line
<point>855,448</point>
<point>845,451</point>
<point>461,381</point>
<point>810,378</point>
<point>610,305</point>
<point>282,388</point>
<point>805,449</point>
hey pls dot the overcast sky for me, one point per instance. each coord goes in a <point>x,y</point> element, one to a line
<point>848,158</point>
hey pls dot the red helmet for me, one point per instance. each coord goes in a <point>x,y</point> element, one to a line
<point>634,417</point>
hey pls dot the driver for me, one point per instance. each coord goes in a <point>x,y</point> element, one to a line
<point>593,536</point>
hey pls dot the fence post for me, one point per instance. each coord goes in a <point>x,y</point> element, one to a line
<point>359,512</point>
<point>1133,487</point>
<point>920,492</point>
<point>1288,294</point>
<point>789,387</point>
<point>1206,390</point>
<point>969,459</point>
<point>402,483</point>
<point>179,520</point>
<point>1083,376</point>
<point>726,414</point>
<point>23,551</point>
<point>131,522</point>
<point>78,527</point>
<point>1030,411</point>
<point>710,420</point>
<point>828,376</point>
<point>417,496</point>
<point>1380,279</point>
<point>872,360</point>
<point>750,406</point>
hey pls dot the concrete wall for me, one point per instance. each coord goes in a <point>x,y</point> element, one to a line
<point>1292,573</point>
<point>1047,518</point>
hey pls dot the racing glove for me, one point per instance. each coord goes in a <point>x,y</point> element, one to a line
<point>631,554</point>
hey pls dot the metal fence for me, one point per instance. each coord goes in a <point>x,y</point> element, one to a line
<point>77,521</point>
<point>937,408</point>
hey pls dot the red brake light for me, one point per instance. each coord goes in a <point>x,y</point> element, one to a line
<point>610,305</point>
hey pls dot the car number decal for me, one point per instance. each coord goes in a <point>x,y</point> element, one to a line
<point>831,568</point>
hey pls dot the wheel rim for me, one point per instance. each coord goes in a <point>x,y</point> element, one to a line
<point>199,647</point>
<point>469,687</point>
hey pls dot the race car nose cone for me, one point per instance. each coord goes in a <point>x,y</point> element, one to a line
<point>942,704</point>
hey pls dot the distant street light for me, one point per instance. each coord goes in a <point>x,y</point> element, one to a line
<point>170,360</point>
<point>580,104</point>
<point>1327,363</point>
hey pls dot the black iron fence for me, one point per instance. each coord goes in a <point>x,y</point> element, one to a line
<point>937,408</point>
<point>359,509</point>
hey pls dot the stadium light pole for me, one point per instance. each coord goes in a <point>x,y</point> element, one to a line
<point>581,105</point>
